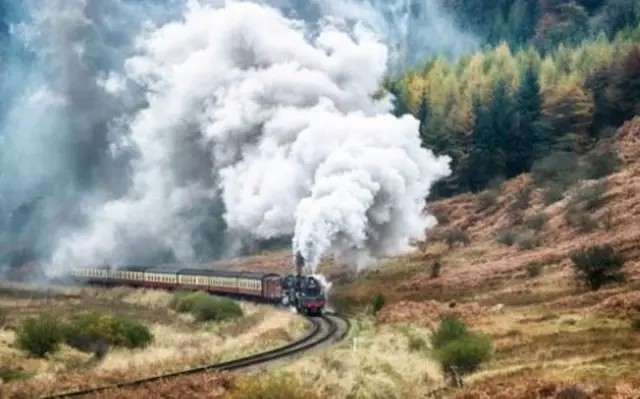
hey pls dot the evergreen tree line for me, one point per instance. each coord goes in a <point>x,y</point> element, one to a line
<point>498,119</point>
<point>544,23</point>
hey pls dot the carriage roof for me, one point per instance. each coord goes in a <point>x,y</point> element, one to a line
<point>226,273</point>
<point>133,268</point>
<point>165,270</point>
<point>208,272</point>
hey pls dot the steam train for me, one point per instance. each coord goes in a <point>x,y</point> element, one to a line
<point>304,293</point>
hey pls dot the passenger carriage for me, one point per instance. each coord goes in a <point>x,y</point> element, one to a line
<point>129,275</point>
<point>160,277</point>
<point>256,285</point>
<point>217,281</point>
<point>91,275</point>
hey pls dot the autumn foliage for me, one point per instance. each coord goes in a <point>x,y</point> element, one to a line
<point>500,111</point>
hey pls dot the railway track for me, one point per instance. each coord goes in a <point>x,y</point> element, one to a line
<point>323,330</point>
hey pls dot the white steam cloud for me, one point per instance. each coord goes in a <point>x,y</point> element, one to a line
<point>238,106</point>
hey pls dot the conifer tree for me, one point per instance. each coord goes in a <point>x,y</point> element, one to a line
<point>400,108</point>
<point>481,163</point>
<point>501,118</point>
<point>531,134</point>
<point>423,115</point>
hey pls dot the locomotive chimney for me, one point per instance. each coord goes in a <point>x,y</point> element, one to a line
<point>299,264</point>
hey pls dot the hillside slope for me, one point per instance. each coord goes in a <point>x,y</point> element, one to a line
<point>505,268</point>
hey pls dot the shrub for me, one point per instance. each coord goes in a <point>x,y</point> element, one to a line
<point>599,164</point>
<point>92,331</point>
<point>598,265</point>
<point>528,241</point>
<point>449,329</point>
<point>8,374</point>
<point>507,237</point>
<point>39,336</point>
<point>466,354</point>
<point>522,199</point>
<point>377,302</point>
<point>520,203</point>
<point>607,219</point>
<point>274,386</point>
<point>210,308</point>
<point>580,220</point>
<point>486,200</point>
<point>553,193</point>
<point>435,268</point>
<point>458,347</point>
<point>184,302</point>
<point>537,221</point>
<point>534,269</point>
<point>559,168</point>
<point>590,197</point>
<point>457,235</point>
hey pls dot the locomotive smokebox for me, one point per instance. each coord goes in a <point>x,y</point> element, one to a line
<point>299,264</point>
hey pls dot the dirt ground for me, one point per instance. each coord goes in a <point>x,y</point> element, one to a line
<point>179,341</point>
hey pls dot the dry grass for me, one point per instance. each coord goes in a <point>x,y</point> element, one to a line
<point>179,341</point>
<point>374,361</point>
<point>198,386</point>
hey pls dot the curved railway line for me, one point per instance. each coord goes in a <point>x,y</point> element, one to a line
<point>324,329</point>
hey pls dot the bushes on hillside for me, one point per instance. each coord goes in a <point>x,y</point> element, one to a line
<point>435,268</point>
<point>582,204</point>
<point>9,374</point>
<point>184,301</point>
<point>598,265</point>
<point>599,164</point>
<point>377,303</point>
<point>455,236</point>
<point>458,347</point>
<point>553,193</point>
<point>536,222</point>
<point>89,332</point>
<point>216,309</point>
<point>507,237</point>
<point>528,240</point>
<point>534,269</point>
<point>558,168</point>
<point>40,336</point>
<point>205,307</point>
<point>486,200</point>
<point>591,197</point>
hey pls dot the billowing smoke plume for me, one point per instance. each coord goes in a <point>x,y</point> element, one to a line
<point>219,125</point>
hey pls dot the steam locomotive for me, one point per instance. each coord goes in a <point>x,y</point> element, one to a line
<point>304,293</point>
